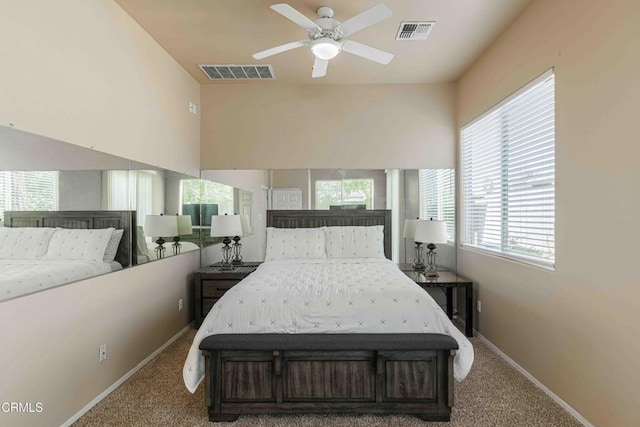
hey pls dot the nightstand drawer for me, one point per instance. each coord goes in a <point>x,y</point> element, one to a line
<point>216,288</point>
<point>207,304</point>
<point>212,282</point>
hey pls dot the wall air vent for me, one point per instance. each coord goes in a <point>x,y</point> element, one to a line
<point>238,72</point>
<point>415,30</point>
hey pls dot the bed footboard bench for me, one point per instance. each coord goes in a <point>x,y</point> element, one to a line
<point>329,373</point>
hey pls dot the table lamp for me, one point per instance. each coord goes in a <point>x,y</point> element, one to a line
<point>431,232</point>
<point>226,226</point>
<point>184,228</point>
<point>237,246</point>
<point>410,233</point>
<point>160,226</point>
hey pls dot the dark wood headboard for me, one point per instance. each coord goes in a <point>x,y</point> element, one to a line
<point>333,218</point>
<point>120,220</point>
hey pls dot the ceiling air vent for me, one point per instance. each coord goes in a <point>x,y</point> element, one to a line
<point>414,30</point>
<point>238,72</point>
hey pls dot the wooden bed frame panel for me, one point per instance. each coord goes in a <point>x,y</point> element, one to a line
<point>392,379</point>
<point>121,220</point>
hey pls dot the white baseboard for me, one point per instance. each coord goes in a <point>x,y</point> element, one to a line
<point>125,377</point>
<point>575,414</point>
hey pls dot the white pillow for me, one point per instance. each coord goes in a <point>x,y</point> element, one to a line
<point>79,244</point>
<point>355,242</point>
<point>24,242</point>
<point>288,243</point>
<point>112,246</point>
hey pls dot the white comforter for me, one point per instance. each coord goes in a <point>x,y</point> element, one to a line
<point>18,277</point>
<point>326,296</point>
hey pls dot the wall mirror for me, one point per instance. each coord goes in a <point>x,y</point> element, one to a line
<point>194,200</point>
<point>48,186</point>
<point>157,193</point>
<point>232,192</point>
<point>409,193</point>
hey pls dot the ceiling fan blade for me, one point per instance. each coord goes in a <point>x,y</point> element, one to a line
<point>363,20</point>
<point>280,49</point>
<point>295,16</point>
<point>319,67</point>
<point>367,52</point>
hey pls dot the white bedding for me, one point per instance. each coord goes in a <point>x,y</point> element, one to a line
<point>20,276</point>
<point>326,296</point>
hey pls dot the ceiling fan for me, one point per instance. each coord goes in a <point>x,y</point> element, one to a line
<point>328,37</point>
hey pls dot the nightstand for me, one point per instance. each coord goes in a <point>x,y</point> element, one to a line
<point>212,282</point>
<point>447,281</point>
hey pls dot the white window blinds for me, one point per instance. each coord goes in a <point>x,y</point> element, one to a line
<point>28,191</point>
<point>508,176</point>
<point>437,197</point>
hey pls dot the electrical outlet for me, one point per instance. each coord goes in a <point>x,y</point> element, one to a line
<point>479,306</point>
<point>102,353</point>
<point>193,108</point>
<point>180,304</point>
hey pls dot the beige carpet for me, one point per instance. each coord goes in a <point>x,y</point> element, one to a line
<point>493,394</point>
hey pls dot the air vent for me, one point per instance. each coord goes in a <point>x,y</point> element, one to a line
<point>238,72</point>
<point>414,30</point>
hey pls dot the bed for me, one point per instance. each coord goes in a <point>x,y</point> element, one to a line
<point>43,249</point>
<point>334,334</point>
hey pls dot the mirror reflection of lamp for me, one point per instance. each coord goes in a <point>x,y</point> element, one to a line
<point>226,226</point>
<point>410,233</point>
<point>160,226</point>
<point>431,232</point>
<point>237,246</point>
<point>184,228</point>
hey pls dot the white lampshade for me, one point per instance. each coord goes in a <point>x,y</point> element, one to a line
<point>226,226</point>
<point>429,231</point>
<point>246,225</point>
<point>184,225</point>
<point>161,226</point>
<point>409,228</point>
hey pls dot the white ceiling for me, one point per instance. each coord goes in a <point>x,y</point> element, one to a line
<point>230,31</point>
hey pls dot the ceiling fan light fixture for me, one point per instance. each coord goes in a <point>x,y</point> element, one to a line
<point>325,48</point>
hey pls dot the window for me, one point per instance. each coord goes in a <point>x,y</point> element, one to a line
<point>200,191</point>
<point>437,197</point>
<point>348,192</point>
<point>144,194</point>
<point>28,191</point>
<point>117,194</point>
<point>508,176</point>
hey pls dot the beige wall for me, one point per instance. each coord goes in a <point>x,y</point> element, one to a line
<point>85,72</point>
<point>576,328</point>
<point>251,126</point>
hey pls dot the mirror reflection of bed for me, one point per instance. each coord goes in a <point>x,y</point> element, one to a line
<point>81,179</point>
<point>41,249</point>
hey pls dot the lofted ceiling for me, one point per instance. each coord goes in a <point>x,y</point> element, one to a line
<point>230,31</point>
